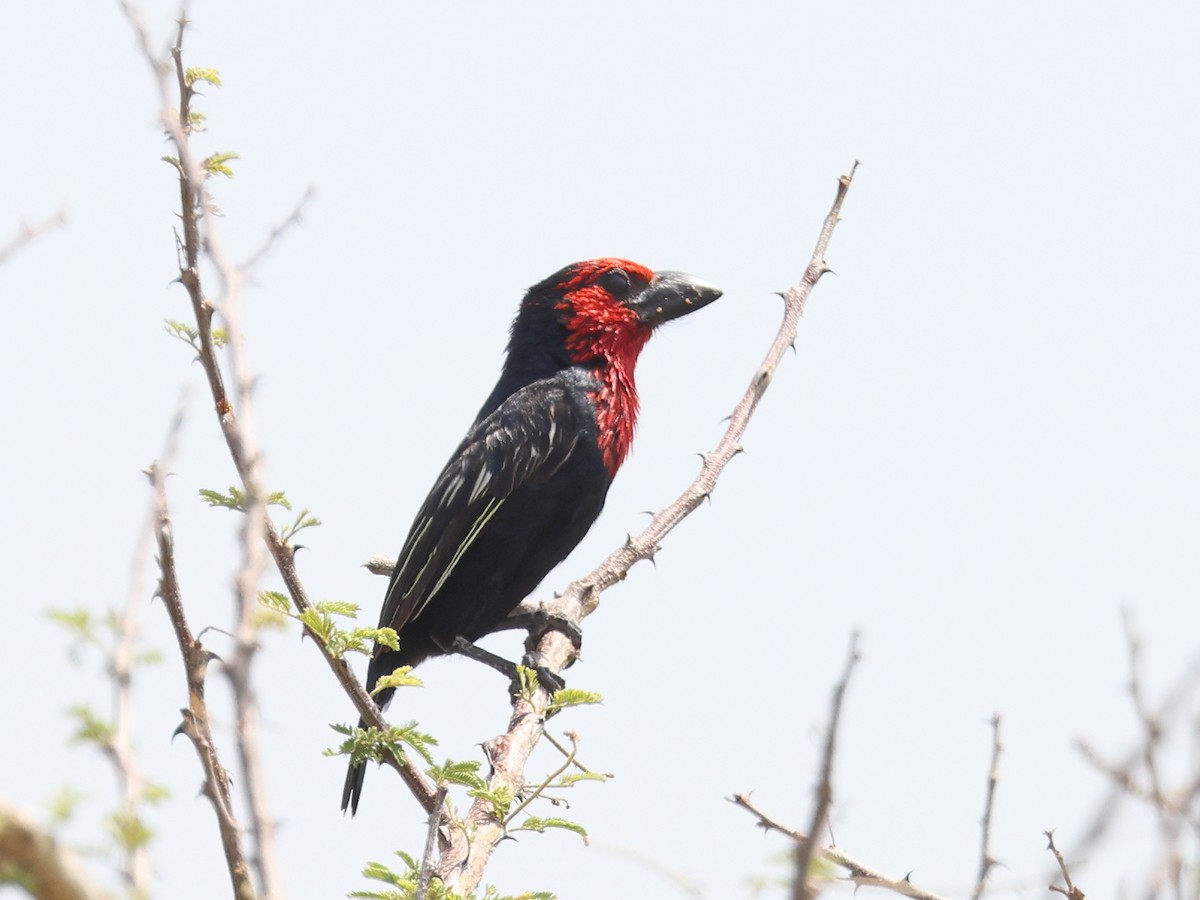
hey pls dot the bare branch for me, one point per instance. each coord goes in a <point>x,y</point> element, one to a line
<point>469,849</point>
<point>195,717</point>
<point>294,218</point>
<point>804,850</point>
<point>1071,891</point>
<point>53,870</point>
<point>858,873</point>
<point>986,860</point>
<point>30,233</point>
<point>194,203</point>
<point>431,843</point>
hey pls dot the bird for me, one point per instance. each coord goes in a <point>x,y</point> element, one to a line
<point>531,476</point>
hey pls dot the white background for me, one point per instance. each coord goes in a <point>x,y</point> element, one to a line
<point>985,445</point>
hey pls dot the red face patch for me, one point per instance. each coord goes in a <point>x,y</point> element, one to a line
<point>607,336</point>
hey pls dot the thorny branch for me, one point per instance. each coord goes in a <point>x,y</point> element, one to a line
<point>195,723</point>
<point>468,850</point>
<point>196,209</point>
<point>986,860</point>
<point>857,873</point>
<point>1071,891</point>
<point>801,890</point>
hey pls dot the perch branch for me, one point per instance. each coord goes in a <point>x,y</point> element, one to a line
<point>465,856</point>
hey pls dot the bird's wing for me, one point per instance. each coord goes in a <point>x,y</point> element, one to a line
<point>525,441</point>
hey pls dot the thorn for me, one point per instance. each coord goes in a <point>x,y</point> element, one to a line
<point>181,729</point>
<point>703,457</point>
<point>908,876</point>
<point>792,346</point>
<point>782,295</point>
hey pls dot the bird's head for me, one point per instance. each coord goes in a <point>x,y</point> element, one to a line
<point>604,310</point>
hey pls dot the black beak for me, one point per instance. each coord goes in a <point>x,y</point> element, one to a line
<point>671,295</point>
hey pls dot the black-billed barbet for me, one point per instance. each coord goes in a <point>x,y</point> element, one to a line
<point>530,477</point>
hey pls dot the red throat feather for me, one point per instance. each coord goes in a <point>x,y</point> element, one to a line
<point>607,336</point>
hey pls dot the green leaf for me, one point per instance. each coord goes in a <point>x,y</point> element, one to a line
<point>501,799</point>
<point>189,334</point>
<point>235,499</point>
<point>465,772</point>
<point>89,727</point>
<point>372,743</point>
<point>215,164</point>
<point>529,681</point>
<point>154,793</point>
<point>572,697</point>
<point>570,779</point>
<point>304,519</point>
<point>63,804</point>
<point>279,498</point>
<point>398,679</point>
<point>193,74</point>
<point>129,831</point>
<point>77,621</point>
<point>337,608</point>
<point>534,823</point>
<point>276,601</point>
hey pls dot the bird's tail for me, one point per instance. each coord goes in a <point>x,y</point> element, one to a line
<point>352,790</point>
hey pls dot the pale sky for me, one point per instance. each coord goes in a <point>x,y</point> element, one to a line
<point>985,445</point>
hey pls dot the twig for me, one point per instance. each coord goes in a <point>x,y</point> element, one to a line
<point>1071,891</point>
<point>986,860</point>
<point>294,218</point>
<point>464,859</point>
<point>431,842</point>
<point>1170,824</point>
<point>195,717</point>
<point>859,874</point>
<point>29,233</point>
<point>1122,773</point>
<point>804,850</point>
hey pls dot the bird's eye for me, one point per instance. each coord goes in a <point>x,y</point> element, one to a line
<point>616,282</point>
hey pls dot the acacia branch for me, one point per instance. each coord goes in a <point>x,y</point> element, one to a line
<point>195,723</point>
<point>468,850</point>
<point>1071,891</point>
<point>195,206</point>
<point>858,873</point>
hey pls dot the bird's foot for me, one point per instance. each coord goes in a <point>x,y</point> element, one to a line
<point>547,679</point>
<point>538,620</point>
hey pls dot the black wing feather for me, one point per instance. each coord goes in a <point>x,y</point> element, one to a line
<point>526,440</point>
